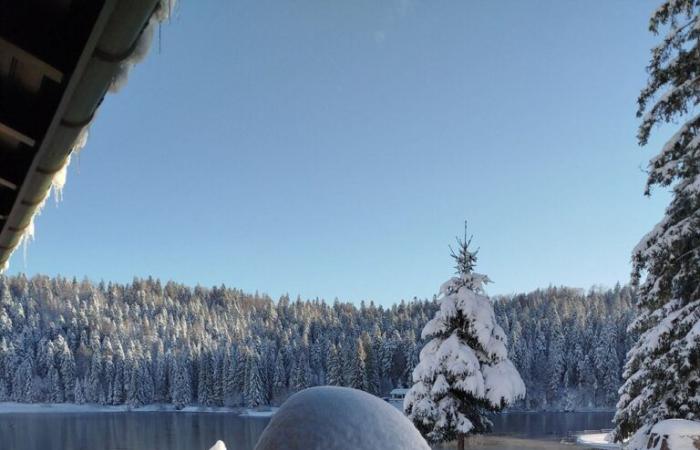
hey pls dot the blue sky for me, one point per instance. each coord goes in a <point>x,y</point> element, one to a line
<point>334,148</point>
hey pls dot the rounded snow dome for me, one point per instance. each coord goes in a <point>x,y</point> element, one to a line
<point>339,418</point>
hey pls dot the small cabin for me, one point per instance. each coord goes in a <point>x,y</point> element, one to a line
<point>398,394</point>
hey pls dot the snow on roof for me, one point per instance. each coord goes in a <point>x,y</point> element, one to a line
<point>399,391</point>
<point>161,13</point>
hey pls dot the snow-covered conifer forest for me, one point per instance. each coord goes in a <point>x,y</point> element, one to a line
<point>146,342</point>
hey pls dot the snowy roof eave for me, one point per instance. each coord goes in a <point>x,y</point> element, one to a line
<point>399,391</point>
<point>117,34</point>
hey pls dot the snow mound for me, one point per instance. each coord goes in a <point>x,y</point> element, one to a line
<point>340,419</point>
<point>597,440</point>
<point>218,446</point>
<point>677,427</point>
<point>672,434</point>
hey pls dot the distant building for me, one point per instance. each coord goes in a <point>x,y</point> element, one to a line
<point>398,394</point>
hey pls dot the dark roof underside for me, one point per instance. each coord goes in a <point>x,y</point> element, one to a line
<point>57,61</point>
<point>40,43</point>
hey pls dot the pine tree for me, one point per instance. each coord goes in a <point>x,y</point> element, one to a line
<point>55,386</point>
<point>254,393</point>
<point>7,355</point>
<point>662,374</point>
<point>387,358</point>
<point>555,358</point>
<point>371,364</point>
<point>589,380</point>
<point>240,372</point>
<point>132,392</point>
<point>160,375</point>
<point>181,388</point>
<point>204,380</point>
<point>540,363</point>
<point>94,383</point>
<point>22,385</point>
<point>316,364</point>
<point>217,395</point>
<point>117,393</point>
<point>145,388</point>
<point>335,367</point>
<point>279,382</point>
<point>358,379</point>
<point>231,390</point>
<point>464,371</point>
<point>410,360</point>
<point>607,363</point>
<point>301,373</point>
<point>78,393</point>
<point>66,367</point>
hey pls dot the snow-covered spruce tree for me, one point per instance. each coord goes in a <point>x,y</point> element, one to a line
<point>662,373</point>
<point>181,386</point>
<point>464,372</point>
<point>254,394</point>
<point>335,367</point>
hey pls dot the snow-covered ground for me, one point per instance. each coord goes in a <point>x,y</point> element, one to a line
<point>19,408</point>
<point>219,445</point>
<point>260,413</point>
<point>597,440</point>
<point>677,434</point>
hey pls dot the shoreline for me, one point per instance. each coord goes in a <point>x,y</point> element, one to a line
<point>68,408</point>
<point>264,411</point>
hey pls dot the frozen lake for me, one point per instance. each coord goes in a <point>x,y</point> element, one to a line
<point>198,431</point>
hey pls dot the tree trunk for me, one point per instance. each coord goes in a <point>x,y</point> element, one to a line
<point>460,441</point>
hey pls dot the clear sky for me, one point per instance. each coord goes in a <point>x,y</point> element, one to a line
<point>334,148</point>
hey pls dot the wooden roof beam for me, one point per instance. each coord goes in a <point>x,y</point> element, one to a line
<point>13,134</point>
<point>8,184</point>
<point>46,69</point>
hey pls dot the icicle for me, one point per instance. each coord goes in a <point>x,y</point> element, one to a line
<point>143,44</point>
<point>58,181</point>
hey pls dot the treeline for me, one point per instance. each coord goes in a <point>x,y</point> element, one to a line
<point>569,346</point>
<point>65,340</point>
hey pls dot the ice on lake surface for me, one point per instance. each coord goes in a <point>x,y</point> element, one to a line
<point>199,431</point>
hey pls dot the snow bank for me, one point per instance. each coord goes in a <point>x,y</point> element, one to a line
<point>218,446</point>
<point>676,434</point>
<point>341,419</point>
<point>259,413</point>
<point>598,440</point>
<point>677,427</point>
